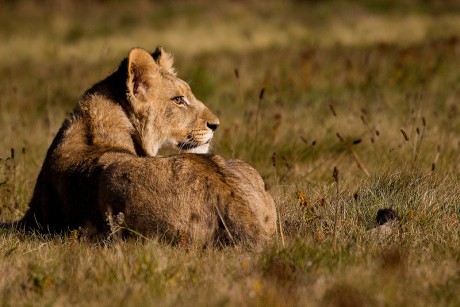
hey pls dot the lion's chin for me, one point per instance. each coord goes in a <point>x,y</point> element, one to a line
<point>202,149</point>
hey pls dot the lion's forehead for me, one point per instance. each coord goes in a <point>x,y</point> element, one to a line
<point>173,85</point>
<point>182,85</point>
<point>171,79</point>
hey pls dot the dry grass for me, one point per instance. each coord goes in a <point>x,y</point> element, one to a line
<point>369,89</point>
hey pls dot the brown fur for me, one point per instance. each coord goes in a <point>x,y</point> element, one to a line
<point>103,161</point>
<point>202,198</point>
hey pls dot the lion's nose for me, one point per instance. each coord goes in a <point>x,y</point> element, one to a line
<point>212,126</point>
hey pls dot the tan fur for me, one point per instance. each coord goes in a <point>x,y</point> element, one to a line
<point>103,160</point>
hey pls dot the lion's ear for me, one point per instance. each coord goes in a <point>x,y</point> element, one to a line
<point>140,64</point>
<point>164,59</point>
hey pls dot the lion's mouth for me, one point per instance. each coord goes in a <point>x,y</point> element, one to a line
<point>187,146</point>
<point>194,145</point>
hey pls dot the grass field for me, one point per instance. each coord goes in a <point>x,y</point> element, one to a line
<point>369,88</point>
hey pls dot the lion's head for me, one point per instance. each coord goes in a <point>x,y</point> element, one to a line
<point>165,113</point>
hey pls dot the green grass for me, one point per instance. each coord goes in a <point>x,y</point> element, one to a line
<point>333,73</point>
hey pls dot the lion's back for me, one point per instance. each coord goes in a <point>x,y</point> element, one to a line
<point>191,193</point>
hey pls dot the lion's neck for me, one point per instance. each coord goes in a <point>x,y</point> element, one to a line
<point>104,109</point>
<point>107,125</point>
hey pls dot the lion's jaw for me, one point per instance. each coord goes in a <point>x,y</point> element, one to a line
<point>203,149</point>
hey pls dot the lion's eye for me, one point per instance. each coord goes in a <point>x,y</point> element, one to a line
<point>180,100</point>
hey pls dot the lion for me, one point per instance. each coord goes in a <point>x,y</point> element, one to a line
<point>104,162</point>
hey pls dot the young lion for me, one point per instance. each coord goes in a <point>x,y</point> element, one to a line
<point>103,161</point>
